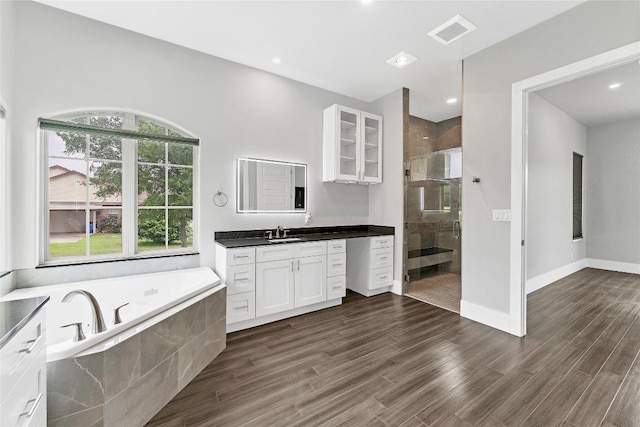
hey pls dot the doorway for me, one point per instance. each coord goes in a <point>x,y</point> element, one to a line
<point>433,212</point>
<point>519,161</point>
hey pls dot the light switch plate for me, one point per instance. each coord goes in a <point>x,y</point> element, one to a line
<point>503,215</point>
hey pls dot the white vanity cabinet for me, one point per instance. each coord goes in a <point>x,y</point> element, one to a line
<point>370,268</point>
<point>23,375</point>
<point>266,283</point>
<point>290,276</point>
<point>352,146</point>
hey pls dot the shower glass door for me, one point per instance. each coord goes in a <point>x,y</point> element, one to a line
<point>433,213</point>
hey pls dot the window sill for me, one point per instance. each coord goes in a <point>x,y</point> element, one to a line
<point>66,263</point>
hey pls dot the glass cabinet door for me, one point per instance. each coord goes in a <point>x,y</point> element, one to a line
<point>348,152</point>
<point>371,148</point>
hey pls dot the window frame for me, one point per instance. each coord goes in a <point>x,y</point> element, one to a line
<point>580,235</point>
<point>129,196</point>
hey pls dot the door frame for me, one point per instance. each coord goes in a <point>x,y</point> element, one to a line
<point>519,164</point>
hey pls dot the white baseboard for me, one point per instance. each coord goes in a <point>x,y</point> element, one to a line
<point>603,264</point>
<point>396,288</point>
<point>486,316</point>
<point>548,278</point>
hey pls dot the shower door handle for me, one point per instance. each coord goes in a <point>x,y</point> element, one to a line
<point>456,229</point>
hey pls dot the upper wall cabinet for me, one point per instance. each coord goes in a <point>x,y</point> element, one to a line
<point>352,146</point>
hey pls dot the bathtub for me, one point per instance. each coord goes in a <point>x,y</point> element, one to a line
<point>151,298</point>
<point>173,326</point>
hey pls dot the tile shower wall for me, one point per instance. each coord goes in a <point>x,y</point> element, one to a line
<point>430,232</point>
<point>131,381</point>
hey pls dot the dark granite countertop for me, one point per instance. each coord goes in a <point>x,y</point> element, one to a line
<point>17,313</point>
<point>240,239</point>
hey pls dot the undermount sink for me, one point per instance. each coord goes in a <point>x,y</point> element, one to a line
<point>285,240</point>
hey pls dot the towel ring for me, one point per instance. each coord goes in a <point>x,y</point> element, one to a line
<point>220,199</point>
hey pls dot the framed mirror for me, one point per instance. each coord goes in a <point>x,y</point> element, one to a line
<point>271,186</point>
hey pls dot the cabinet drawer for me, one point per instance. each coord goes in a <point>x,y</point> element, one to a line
<point>336,264</point>
<point>310,249</point>
<point>336,246</point>
<point>275,252</point>
<point>241,278</point>
<point>381,242</point>
<point>336,287</point>
<point>20,351</point>
<point>381,258</point>
<point>241,307</point>
<point>380,278</point>
<point>241,256</point>
<point>28,399</point>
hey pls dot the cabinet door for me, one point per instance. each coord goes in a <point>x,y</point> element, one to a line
<point>274,287</point>
<point>348,147</point>
<point>371,148</point>
<point>310,280</point>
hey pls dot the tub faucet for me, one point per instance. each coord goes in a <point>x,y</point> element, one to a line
<point>98,321</point>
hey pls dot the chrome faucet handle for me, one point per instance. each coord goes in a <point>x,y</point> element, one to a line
<point>268,234</point>
<point>284,234</point>
<point>116,314</point>
<point>79,336</point>
<point>278,229</point>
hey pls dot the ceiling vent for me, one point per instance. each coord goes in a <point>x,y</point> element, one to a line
<point>452,30</point>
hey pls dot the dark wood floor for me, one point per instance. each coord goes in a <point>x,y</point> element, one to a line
<point>390,360</point>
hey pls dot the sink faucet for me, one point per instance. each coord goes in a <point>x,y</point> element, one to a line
<point>98,320</point>
<point>278,230</point>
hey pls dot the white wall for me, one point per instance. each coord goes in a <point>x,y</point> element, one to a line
<point>7,17</point>
<point>592,27</point>
<point>70,62</point>
<point>613,194</point>
<point>553,138</point>
<point>386,200</point>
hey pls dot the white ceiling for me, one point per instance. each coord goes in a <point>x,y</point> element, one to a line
<point>340,46</point>
<point>590,101</point>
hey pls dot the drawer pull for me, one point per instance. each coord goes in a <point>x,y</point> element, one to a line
<point>240,256</point>
<point>30,412</point>
<point>384,257</point>
<point>383,277</point>
<point>337,286</point>
<point>33,345</point>
<point>337,265</point>
<point>242,307</point>
<point>242,279</point>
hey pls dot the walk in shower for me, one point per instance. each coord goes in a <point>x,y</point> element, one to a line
<point>433,211</point>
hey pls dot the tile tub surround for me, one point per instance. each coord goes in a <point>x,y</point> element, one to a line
<point>242,238</point>
<point>130,382</point>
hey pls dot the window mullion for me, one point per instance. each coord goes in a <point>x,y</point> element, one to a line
<point>129,189</point>
<point>87,207</point>
<point>166,196</point>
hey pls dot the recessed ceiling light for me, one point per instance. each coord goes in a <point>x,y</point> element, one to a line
<point>276,60</point>
<point>402,60</point>
<point>614,86</point>
<point>452,100</point>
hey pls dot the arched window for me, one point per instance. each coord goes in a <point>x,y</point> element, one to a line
<point>116,185</point>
